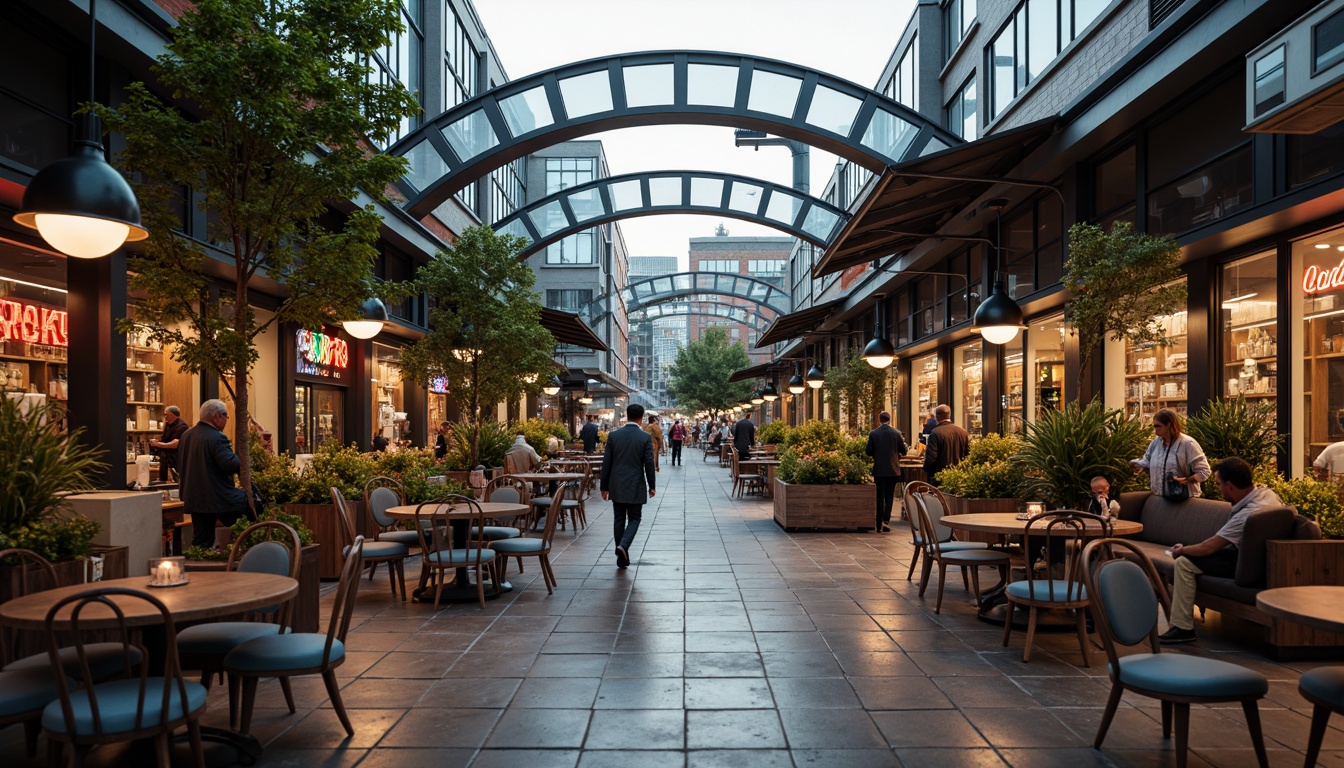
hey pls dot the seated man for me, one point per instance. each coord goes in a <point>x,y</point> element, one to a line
<point>1216,555</point>
<point>521,457</point>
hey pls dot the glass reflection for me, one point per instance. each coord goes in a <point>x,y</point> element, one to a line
<point>744,197</point>
<point>888,134</point>
<point>712,85</point>
<point>819,222</point>
<point>782,207</point>
<point>773,93</point>
<point>527,111</point>
<point>471,135</point>
<point>665,190</point>
<point>549,219</point>
<point>832,110</point>
<point>626,195</point>
<point>707,193</point>
<point>425,166</point>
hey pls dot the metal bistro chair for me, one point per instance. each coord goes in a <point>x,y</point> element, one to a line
<point>937,506</point>
<point>302,653</point>
<point>129,709</point>
<point>1061,535</point>
<point>1126,593</point>
<point>1324,688</point>
<point>205,646</point>
<point>375,552</point>
<point>966,559</point>
<point>538,547</point>
<point>744,483</point>
<point>380,494</point>
<point>474,554</point>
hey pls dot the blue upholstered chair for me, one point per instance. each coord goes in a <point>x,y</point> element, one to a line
<point>505,490</point>
<point>532,546</point>
<point>381,494</point>
<point>1059,535</point>
<point>936,506</point>
<point>969,560</point>
<point>266,547</point>
<point>438,557</point>
<point>375,552</point>
<point>301,653</point>
<point>1125,595</point>
<point>129,708</point>
<point>1324,688</point>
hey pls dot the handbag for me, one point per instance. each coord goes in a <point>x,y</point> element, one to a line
<point>1172,490</point>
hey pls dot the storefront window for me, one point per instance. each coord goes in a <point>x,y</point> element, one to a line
<point>924,373</point>
<point>1155,374</point>
<point>317,417</point>
<point>968,402</point>
<point>1250,333</point>
<point>1322,353</point>
<point>1045,349</point>
<point>1013,395</point>
<point>389,404</point>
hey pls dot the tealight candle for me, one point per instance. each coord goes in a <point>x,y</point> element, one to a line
<point>167,572</point>
<point>1035,507</point>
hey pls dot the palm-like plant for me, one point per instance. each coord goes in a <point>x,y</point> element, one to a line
<point>40,464</point>
<point>1063,450</point>
<point>1237,427</point>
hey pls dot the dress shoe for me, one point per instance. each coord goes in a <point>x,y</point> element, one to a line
<point>622,559</point>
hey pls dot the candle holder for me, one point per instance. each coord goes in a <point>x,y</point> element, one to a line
<point>167,572</point>
<point>1035,508</point>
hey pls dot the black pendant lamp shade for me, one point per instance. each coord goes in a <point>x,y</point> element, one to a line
<point>879,352</point>
<point>998,318</point>
<point>770,393</point>
<point>815,378</point>
<point>372,316</point>
<point>552,387</point>
<point>796,384</point>
<point>81,205</point>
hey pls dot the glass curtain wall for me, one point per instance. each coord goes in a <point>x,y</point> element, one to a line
<point>1321,355</point>
<point>1249,314</point>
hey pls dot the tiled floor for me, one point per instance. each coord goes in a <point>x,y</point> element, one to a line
<point>729,642</point>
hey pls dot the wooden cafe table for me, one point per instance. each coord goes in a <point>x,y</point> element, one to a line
<point>1319,607</point>
<point>462,590</point>
<point>766,464</point>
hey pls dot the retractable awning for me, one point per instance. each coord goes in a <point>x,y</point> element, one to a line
<point>753,372</point>
<point>568,328</point>
<point>795,324</point>
<point>913,201</point>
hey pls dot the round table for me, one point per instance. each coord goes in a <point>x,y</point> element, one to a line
<point>546,477</point>
<point>1320,607</point>
<point>462,590</point>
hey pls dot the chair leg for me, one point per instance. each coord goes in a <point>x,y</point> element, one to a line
<point>975,583</point>
<point>1180,713</point>
<point>1320,716</point>
<point>1252,710</point>
<point>161,756</point>
<point>235,699</point>
<point>1007,621</point>
<point>334,693</point>
<point>194,733</point>
<point>289,694</point>
<point>249,700</point>
<point>1166,719</point>
<point>501,568</point>
<point>544,563</point>
<point>964,583</point>
<point>372,567</point>
<point>207,678</point>
<point>31,729</point>
<point>913,562</point>
<point>1081,615</point>
<point>942,579</point>
<point>1031,633</point>
<point>924,574</point>
<point>54,754</point>
<point>1112,703</point>
<point>480,585</point>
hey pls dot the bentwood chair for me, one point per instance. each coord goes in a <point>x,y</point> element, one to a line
<point>205,646</point>
<point>1060,535</point>
<point>134,707</point>
<point>375,552</point>
<point>744,483</point>
<point>936,506</point>
<point>439,557</point>
<point>971,560</point>
<point>573,503</point>
<point>507,490</point>
<point>381,494</point>
<point>1126,594</point>
<point>538,547</point>
<point>302,653</point>
<point>1324,688</point>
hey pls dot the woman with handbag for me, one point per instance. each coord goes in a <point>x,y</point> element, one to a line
<point>1175,462</point>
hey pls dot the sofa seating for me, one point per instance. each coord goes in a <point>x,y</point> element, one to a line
<point>1279,548</point>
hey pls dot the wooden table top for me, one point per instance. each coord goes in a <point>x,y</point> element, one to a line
<point>1007,524</point>
<point>461,511</point>
<point>546,477</point>
<point>761,461</point>
<point>1321,607</point>
<point>209,595</point>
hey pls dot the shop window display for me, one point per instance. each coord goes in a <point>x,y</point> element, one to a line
<point>1014,396</point>
<point>1156,375</point>
<point>1322,292</point>
<point>1249,312</point>
<point>924,371</point>
<point>389,405</point>
<point>1045,349</point>
<point>968,402</point>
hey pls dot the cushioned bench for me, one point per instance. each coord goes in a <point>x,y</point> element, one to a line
<point>1279,548</point>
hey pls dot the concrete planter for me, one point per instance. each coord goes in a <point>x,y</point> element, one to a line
<point>825,506</point>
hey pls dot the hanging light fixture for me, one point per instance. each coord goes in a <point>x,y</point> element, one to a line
<point>372,315</point>
<point>815,378</point>
<point>879,353</point>
<point>796,384</point>
<point>552,387</point>
<point>998,318</point>
<point>770,394</point>
<point>81,205</point>
<point>757,398</point>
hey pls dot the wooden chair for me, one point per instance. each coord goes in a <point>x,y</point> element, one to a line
<point>935,505</point>
<point>437,559</point>
<point>1126,594</point>
<point>375,552</point>
<point>1060,534</point>
<point>538,547</point>
<point>573,502</point>
<point>134,707</point>
<point>1324,688</point>
<point>743,483</point>
<point>204,646</point>
<point>302,653</point>
<point>967,559</point>
<point>381,494</point>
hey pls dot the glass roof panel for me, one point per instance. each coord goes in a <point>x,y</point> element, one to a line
<point>586,204</point>
<point>705,192</point>
<point>626,195</point>
<point>832,110</point>
<point>549,219</point>
<point>934,145</point>
<point>516,227</point>
<point>745,197</point>
<point>820,223</point>
<point>471,135</point>
<point>773,93</point>
<point>783,207</point>
<point>665,190</point>
<point>586,94</point>
<point>426,166</point>
<point>889,134</point>
<point>712,85</point>
<point>527,111</point>
<point>648,85</point>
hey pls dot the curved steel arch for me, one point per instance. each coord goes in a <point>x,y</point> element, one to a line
<point>685,285</point>
<point>658,88</point>
<point>573,210</point>
<point>756,323</point>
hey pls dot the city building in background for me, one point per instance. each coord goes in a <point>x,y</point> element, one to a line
<point>760,258</point>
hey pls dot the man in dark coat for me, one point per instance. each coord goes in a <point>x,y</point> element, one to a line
<point>744,435</point>
<point>628,479</point>
<point>886,445</point>
<point>948,444</point>
<point>174,426</point>
<point>208,465</point>
<point>589,435</point>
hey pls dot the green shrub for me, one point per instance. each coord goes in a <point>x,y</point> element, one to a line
<point>279,515</point>
<point>539,432</point>
<point>1319,500</point>
<point>1063,450</point>
<point>1000,479</point>
<point>815,436</point>
<point>278,482</point>
<point>56,538</point>
<point>495,439</point>
<point>836,467</point>
<point>334,466</point>
<point>992,448</point>
<point>39,464</point>
<point>774,433</point>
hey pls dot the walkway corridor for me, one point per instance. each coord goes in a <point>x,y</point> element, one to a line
<point>729,642</point>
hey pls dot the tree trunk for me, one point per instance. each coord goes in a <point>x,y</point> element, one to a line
<point>242,417</point>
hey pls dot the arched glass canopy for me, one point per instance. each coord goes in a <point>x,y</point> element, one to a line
<point>754,321</point>
<point>573,210</point>
<point>505,123</point>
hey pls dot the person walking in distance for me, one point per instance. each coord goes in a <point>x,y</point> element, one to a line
<point>589,435</point>
<point>678,436</point>
<point>744,435</point>
<point>628,479</point>
<point>948,444</point>
<point>655,433</point>
<point>886,445</point>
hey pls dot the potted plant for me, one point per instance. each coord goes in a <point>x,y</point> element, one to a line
<point>774,433</point>
<point>1063,450</point>
<point>824,480</point>
<point>539,432</point>
<point>307,495</point>
<point>1236,427</point>
<point>1320,500</point>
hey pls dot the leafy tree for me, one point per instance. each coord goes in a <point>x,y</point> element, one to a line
<point>698,380</point>
<point>485,336</point>
<point>1121,282</point>
<point>284,102</point>
<point>854,389</point>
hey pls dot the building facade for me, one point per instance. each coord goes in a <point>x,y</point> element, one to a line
<point>760,258</point>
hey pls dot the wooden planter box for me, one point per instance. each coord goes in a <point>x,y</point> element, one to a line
<point>68,573</point>
<point>305,617</point>
<point>328,533</point>
<point>960,505</point>
<point>825,506</point>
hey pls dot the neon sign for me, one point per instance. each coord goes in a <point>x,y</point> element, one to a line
<point>318,353</point>
<point>33,324</point>
<point>1319,279</point>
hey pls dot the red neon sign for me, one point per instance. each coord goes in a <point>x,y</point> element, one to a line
<point>321,349</point>
<point>33,324</point>
<point>1319,279</point>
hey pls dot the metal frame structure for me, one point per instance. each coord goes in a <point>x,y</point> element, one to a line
<point>691,287</point>
<point>757,323</point>
<point>467,142</point>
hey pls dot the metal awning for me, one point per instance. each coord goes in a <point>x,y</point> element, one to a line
<point>753,372</point>
<point>576,379</point>
<point>914,200</point>
<point>795,324</point>
<point>568,328</point>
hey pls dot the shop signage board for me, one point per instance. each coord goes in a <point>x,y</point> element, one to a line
<point>33,324</point>
<point>321,355</point>
<point>1317,280</point>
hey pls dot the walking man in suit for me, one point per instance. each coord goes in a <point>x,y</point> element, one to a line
<point>589,435</point>
<point>628,479</point>
<point>886,445</point>
<point>948,445</point>
<point>744,435</point>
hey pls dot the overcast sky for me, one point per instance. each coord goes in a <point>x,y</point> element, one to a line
<point>851,39</point>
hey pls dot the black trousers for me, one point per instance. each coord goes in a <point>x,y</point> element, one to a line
<point>203,527</point>
<point>626,518</point>
<point>886,497</point>
<point>676,451</point>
